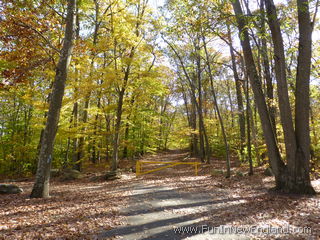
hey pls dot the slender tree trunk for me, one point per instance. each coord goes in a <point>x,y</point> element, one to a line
<point>249,117</point>
<point>82,140</point>
<point>273,151</point>
<point>241,116</point>
<point>127,129</point>
<point>116,140</point>
<point>230,104</point>
<point>189,118</point>
<point>249,124</point>
<point>66,159</point>
<point>75,140</point>
<point>108,136</point>
<point>95,127</point>
<point>217,109</point>
<point>81,151</point>
<point>266,68</point>
<point>314,131</point>
<point>192,92</point>
<point>126,139</point>
<point>204,142</point>
<point>194,135</point>
<point>41,185</point>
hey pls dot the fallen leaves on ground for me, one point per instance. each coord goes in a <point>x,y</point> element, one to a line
<point>242,201</point>
<point>75,210</point>
<point>82,209</point>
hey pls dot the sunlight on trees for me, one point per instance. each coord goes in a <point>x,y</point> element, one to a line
<point>236,80</point>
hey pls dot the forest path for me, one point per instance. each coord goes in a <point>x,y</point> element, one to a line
<point>157,213</point>
<point>164,210</point>
<point>151,206</point>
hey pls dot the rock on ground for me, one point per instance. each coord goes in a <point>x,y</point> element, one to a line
<point>10,189</point>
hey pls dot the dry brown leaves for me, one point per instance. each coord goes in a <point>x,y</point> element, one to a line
<point>244,201</point>
<point>83,209</point>
<point>75,210</point>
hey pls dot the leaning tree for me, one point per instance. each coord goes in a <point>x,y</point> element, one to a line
<point>291,175</point>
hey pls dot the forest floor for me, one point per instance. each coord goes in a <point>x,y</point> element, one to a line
<point>169,204</point>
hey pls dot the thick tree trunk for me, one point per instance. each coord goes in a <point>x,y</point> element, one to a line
<point>282,85</point>
<point>41,185</point>
<point>299,180</point>
<point>294,177</point>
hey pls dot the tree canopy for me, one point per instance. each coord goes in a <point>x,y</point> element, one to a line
<point>238,80</point>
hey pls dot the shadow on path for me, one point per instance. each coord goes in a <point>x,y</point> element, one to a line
<point>159,212</point>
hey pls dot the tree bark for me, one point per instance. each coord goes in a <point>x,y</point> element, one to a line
<point>299,180</point>
<point>273,151</point>
<point>241,116</point>
<point>282,85</point>
<point>217,109</point>
<point>293,178</point>
<point>116,140</point>
<point>41,185</point>
<point>204,142</point>
<point>266,68</point>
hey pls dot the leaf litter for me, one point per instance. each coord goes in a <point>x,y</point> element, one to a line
<point>84,208</point>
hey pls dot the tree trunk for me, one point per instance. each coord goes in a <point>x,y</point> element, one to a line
<point>266,68</point>
<point>108,136</point>
<point>294,177</point>
<point>116,140</point>
<point>299,180</point>
<point>75,140</point>
<point>241,116</point>
<point>249,124</point>
<point>77,164</point>
<point>217,109</point>
<point>203,137</point>
<point>273,151</point>
<point>127,129</point>
<point>282,85</point>
<point>82,140</point>
<point>41,185</point>
<point>194,135</point>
